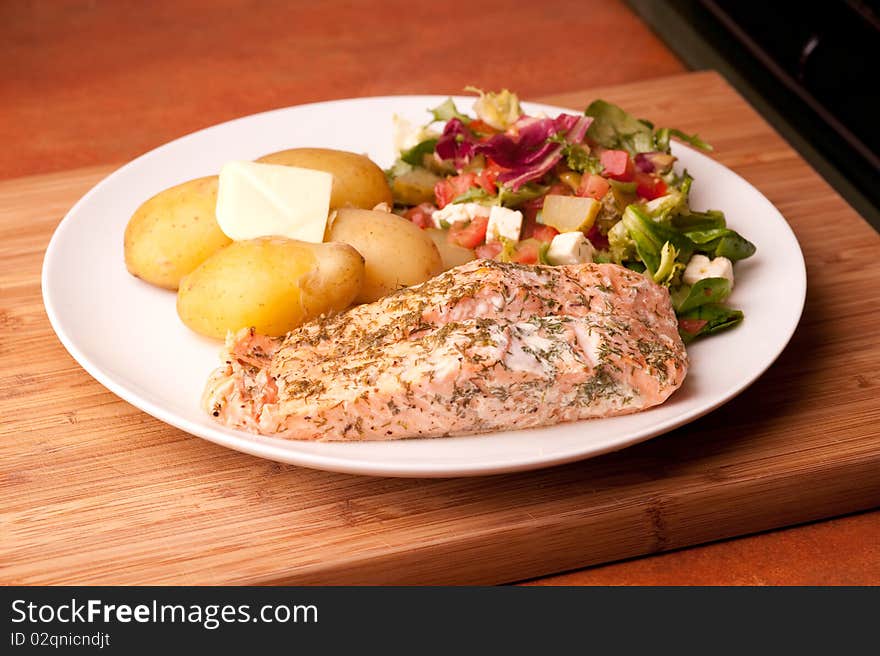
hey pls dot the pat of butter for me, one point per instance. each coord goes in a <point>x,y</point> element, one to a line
<point>267,200</point>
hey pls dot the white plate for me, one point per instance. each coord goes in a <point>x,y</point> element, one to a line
<point>127,335</point>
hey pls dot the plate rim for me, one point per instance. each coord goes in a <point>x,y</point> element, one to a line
<point>237,440</point>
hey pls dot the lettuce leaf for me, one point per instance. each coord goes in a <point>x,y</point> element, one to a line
<point>707,290</point>
<point>447,110</point>
<point>416,154</point>
<point>614,128</point>
<point>707,320</point>
<point>722,242</point>
<point>500,110</point>
<point>661,139</point>
<point>651,237</point>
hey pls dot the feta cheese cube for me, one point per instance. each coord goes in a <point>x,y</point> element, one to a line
<point>504,223</point>
<point>570,248</point>
<point>700,267</point>
<point>455,212</point>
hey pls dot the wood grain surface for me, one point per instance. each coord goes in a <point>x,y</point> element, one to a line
<point>94,491</point>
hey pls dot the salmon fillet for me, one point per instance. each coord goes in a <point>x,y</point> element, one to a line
<point>482,347</point>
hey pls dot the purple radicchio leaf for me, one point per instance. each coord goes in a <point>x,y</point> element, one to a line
<point>525,149</point>
<point>576,129</point>
<point>456,143</point>
<point>517,177</point>
<point>528,152</point>
<point>524,143</point>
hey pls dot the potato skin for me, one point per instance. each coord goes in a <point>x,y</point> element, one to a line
<point>173,232</point>
<point>397,252</point>
<point>271,284</point>
<point>357,181</point>
<point>451,254</point>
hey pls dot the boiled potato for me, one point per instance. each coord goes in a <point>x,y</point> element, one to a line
<point>271,284</point>
<point>357,181</point>
<point>414,187</point>
<point>397,252</point>
<point>450,254</point>
<point>174,232</point>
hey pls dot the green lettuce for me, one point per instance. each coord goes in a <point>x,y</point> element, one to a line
<point>707,290</point>
<point>661,139</point>
<point>707,320</point>
<point>416,154</point>
<point>447,110</point>
<point>650,237</point>
<point>722,242</point>
<point>614,128</point>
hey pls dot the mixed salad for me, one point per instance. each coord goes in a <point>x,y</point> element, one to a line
<point>599,186</point>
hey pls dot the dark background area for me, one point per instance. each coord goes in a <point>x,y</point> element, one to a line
<point>810,68</point>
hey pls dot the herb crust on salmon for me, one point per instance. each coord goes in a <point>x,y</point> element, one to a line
<point>485,346</point>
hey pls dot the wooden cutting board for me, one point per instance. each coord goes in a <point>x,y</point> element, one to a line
<point>93,491</point>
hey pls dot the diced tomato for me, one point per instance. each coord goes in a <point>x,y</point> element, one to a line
<point>542,233</point>
<point>470,234</point>
<point>449,189</point>
<point>649,186</point>
<point>617,165</point>
<point>495,167</point>
<point>692,326</point>
<point>485,179</point>
<point>597,239</point>
<point>444,193</point>
<point>488,251</point>
<point>593,186</point>
<point>531,227</point>
<point>421,215</point>
<point>527,252</point>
